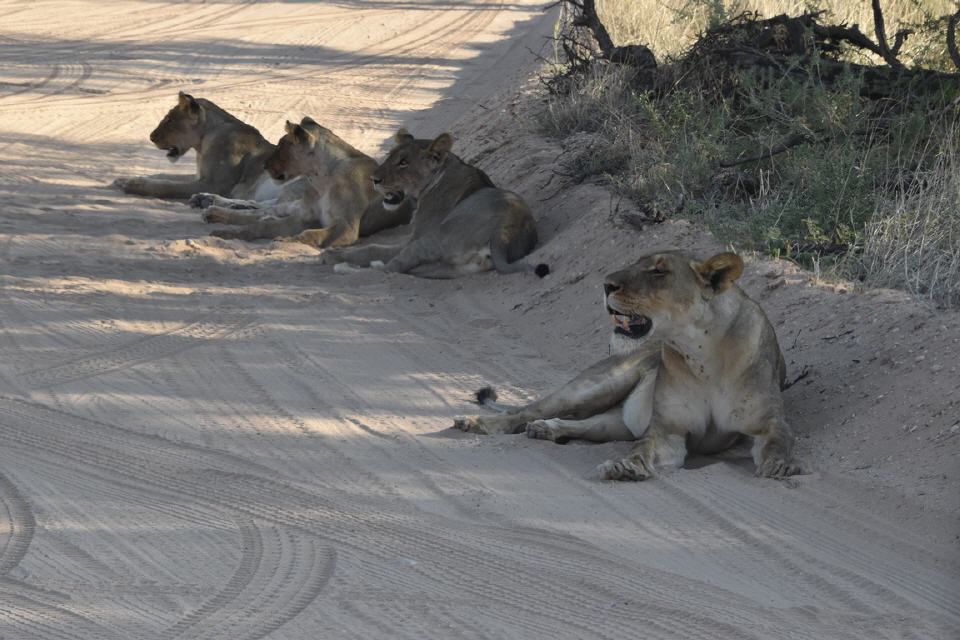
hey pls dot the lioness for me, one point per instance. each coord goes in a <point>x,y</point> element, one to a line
<point>696,363</point>
<point>462,223</point>
<point>230,155</point>
<point>339,203</point>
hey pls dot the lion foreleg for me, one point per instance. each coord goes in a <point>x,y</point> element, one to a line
<point>361,256</point>
<point>773,449</point>
<point>415,254</point>
<point>333,236</point>
<point>271,228</point>
<point>656,449</point>
<point>207,200</point>
<point>224,215</point>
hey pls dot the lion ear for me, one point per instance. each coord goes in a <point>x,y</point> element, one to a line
<point>440,147</point>
<point>312,126</point>
<point>301,135</point>
<point>403,136</point>
<point>720,272</point>
<point>187,102</point>
<point>290,127</point>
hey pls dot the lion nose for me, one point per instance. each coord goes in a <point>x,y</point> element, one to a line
<point>153,137</point>
<point>609,287</point>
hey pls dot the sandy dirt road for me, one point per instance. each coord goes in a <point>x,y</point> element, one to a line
<point>206,439</point>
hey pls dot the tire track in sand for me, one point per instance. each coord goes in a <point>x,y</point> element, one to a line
<point>467,564</point>
<point>267,589</point>
<point>891,581</point>
<point>19,524</point>
<point>280,572</point>
<point>212,327</point>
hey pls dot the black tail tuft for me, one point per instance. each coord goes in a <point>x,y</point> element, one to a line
<point>541,269</point>
<point>487,394</point>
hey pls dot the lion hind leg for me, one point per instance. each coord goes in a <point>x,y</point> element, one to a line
<point>487,425</point>
<point>603,427</point>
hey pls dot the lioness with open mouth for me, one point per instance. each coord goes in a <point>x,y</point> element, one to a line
<point>230,156</point>
<point>695,365</point>
<point>462,223</point>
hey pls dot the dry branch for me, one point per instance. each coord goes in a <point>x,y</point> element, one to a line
<point>786,144</point>
<point>586,16</point>
<point>890,57</point>
<point>952,39</point>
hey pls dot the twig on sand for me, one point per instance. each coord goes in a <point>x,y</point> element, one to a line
<point>803,374</point>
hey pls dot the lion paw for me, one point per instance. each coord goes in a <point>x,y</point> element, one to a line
<point>331,256</point>
<point>120,183</point>
<point>310,237</point>
<point>202,201</point>
<point>469,424</point>
<point>215,216</point>
<point>779,468</point>
<point>625,469</point>
<point>544,430</point>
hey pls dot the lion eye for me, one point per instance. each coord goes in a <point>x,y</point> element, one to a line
<point>659,271</point>
<point>402,163</point>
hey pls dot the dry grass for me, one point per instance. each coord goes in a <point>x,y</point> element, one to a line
<point>913,241</point>
<point>668,27</point>
<point>876,197</point>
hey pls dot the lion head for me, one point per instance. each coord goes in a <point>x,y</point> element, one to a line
<point>181,129</point>
<point>664,293</point>
<point>291,158</point>
<point>410,166</point>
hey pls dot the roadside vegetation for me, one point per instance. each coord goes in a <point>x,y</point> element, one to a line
<point>788,131</point>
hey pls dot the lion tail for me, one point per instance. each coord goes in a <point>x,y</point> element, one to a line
<point>507,253</point>
<point>487,397</point>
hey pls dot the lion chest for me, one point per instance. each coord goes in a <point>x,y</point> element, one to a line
<point>265,189</point>
<point>693,399</point>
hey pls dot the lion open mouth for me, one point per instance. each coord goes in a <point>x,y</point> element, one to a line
<point>392,199</point>
<point>173,154</point>
<point>630,326</point>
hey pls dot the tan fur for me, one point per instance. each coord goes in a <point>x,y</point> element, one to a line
<point>338,204</point>
<point>708,370</point>
<point>462,223</point>
<point>230,153</point>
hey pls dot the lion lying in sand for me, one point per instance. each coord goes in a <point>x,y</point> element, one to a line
<point>696,365</point>
<point>230,156</point>
<point>338,205</point>
<point>462,224</point>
